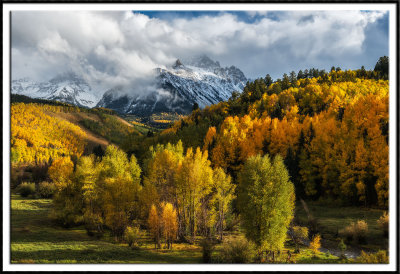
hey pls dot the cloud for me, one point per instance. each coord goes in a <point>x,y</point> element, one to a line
<point>112,48</point>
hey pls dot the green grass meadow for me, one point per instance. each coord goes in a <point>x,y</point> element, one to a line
<point>331,219</point>
<point>35,238</point>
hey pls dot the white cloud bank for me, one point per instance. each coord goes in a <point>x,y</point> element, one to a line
<point>112,48</point>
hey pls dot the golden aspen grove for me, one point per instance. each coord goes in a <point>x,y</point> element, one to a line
<point>251,173</point>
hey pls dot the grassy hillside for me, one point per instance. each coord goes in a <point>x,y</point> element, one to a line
<point>110,127</point>
<point>100,126</point>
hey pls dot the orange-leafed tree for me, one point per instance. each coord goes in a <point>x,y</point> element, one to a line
<point>154,225</point>
<point>169,224</point>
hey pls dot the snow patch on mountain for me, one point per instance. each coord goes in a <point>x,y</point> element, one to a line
<point>66,87</point>
<point>201,80</point>
<point>175,88</point>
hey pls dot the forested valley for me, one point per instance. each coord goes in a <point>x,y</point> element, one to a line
<point>294,170</point>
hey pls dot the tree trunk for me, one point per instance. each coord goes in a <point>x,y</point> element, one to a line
<point>221,224</point>
<point>182,225</point>
<point>289,256</point>
<point>192,220</point>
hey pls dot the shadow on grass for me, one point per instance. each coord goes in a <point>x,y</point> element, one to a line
<point>104,254</point>
<point>35,238</point>
<point>30,216</point>
<point>35,235</point>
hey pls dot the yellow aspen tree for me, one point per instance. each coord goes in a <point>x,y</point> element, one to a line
<point>67,200</point>
<point>169,224</point>
<point>119,180</point>
<point>223,195</point>
<point>154,225</point>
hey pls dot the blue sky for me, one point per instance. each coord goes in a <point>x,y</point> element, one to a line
<point>113,47</point>
<point>171,15</point>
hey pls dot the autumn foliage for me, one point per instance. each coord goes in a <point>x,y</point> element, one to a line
<point>169,224</point>
<point>316,135</point>
<point>154,224</point>
<point>333,138</point>
<point>37,137</point>
<point>315,244</point>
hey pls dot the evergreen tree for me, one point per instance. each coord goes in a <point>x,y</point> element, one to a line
<point>285,82</point>
<point>268,80</point>
<point>150,133</point>
<point>363,72</point>
<point>382,67</point>
<point>98,151</point>
<point>293,78</point>
<point>195,106</point>
<point>300,75</point>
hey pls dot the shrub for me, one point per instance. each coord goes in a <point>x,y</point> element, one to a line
<point>298,233</point>
<point>132,236</point>
<point>66,218</point>
<point>379,257</point>
<point>207,247</point>
<point>383,223</point>
<point>27,189</point>
<point>237,251</point>
<point>315,244</point>
<point>356,231</point>
<point>46,189</point>
<point>93,224</point>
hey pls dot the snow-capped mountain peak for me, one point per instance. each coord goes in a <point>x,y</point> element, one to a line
<point>200,80</point>
<point>67,87</point>
<point>175,88</point>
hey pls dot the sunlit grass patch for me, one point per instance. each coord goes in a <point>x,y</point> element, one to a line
<point>36,239</point>
<point>306,256</point>
<point>332,219</point>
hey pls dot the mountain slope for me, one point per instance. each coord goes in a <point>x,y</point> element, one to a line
<point>41,132</point>
<point>178,88</point>
<point>66,87</point>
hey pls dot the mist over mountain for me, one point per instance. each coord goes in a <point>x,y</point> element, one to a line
<point>66,87</point>
<point>177,87</point>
